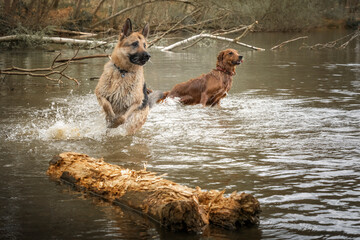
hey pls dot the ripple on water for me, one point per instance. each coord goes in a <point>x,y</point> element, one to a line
<point>300,160</point>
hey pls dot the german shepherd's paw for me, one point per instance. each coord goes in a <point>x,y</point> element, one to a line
<point>116,121</point>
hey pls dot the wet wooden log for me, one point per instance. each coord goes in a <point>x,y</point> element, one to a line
<point>175,207</point>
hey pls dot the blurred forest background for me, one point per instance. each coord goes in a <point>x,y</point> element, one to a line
<point>52,16</point>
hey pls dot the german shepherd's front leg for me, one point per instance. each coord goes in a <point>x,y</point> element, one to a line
<point>109,112</point>
<point>118,120</point>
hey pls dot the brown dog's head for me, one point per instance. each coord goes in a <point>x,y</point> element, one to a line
<point>228,59</point>
<point>131,47</point>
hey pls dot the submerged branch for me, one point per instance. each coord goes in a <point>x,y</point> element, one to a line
<point>83,57</point>
<point>288,41</point>
<point>338,43</point>
<point>49,72</point>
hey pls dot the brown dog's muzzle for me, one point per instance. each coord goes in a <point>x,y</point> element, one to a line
<point>240,60</point>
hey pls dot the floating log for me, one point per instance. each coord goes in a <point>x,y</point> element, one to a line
<point>173,206</point>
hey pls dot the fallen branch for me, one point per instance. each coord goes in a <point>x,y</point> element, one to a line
<point>83,57</point>
<point>247,30</point>
<point>192,44</point>
<point>355,35</point>
<point>173,206</point>
<point>49,72</point>
<point>288,41</point>
<point>206,35</point>
<point>336,43</point>
<point>82,34</point>
<point>223,32</point>
<point>50,39</point>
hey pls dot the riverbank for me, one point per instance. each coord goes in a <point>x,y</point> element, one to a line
<point>102,17</point>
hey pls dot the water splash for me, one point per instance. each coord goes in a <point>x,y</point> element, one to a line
<point>75,117</point>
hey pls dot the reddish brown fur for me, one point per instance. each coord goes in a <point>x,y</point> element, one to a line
<point>208,89</point>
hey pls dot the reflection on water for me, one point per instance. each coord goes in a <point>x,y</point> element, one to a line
<point>288,133</point>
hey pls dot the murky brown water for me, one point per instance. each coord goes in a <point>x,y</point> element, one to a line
<point>289,133</point>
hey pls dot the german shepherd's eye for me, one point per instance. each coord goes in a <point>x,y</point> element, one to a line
<point>231,53</point>
<point>135,44</point>
<point>144,45</point>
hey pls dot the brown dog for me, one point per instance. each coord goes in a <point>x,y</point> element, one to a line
<point>209,89</point>
<point>121,90</point>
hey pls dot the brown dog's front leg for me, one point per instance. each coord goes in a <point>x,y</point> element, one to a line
<point>204,99</point>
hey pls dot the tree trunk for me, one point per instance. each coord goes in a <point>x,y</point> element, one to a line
<point>174,206</point>
<point>113,11</point>
<point>98,7</point>
<point>77,9</point>
<point>55,4</point>
<point>7,6</point>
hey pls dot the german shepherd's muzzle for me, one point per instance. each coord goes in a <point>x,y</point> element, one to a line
<point>139,58</point>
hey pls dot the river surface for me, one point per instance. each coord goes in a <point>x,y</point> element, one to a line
<point>288,133</point>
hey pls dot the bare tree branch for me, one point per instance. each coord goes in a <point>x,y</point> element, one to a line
<point>49,72</point>
<point>83,57</point>
<point>288,41</point>
<point>333,44</point>
<point>170,29</point>
<point>135,6</point>
<point>206,35</point>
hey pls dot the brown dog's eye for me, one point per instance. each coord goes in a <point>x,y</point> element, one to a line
<point>135,44</point>
<point>231,53</point>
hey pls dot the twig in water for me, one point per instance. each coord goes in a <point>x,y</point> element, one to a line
<point>83,57</point>
<point>49,72</point>
<point>288,41</point>
<point>333,44</point>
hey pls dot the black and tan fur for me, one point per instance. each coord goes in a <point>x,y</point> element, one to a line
<point>121,90</point>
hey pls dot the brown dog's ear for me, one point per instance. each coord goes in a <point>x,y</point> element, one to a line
<point>146,30</point>
<point>127,28</point>
<point>220,57</point>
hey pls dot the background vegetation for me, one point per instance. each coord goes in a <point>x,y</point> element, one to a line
<point>196,15</point>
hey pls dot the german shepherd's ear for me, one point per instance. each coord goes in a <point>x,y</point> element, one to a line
<point>127,29</point>
<point>146,30</point>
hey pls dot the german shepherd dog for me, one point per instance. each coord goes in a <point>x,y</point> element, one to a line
<point>208,89</point>
<point>121,90</point>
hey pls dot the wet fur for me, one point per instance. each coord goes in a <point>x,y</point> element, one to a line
<point>123,95</point>
<point>208,89</point>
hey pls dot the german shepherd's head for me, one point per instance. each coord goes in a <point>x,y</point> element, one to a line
<point>130,51</point>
